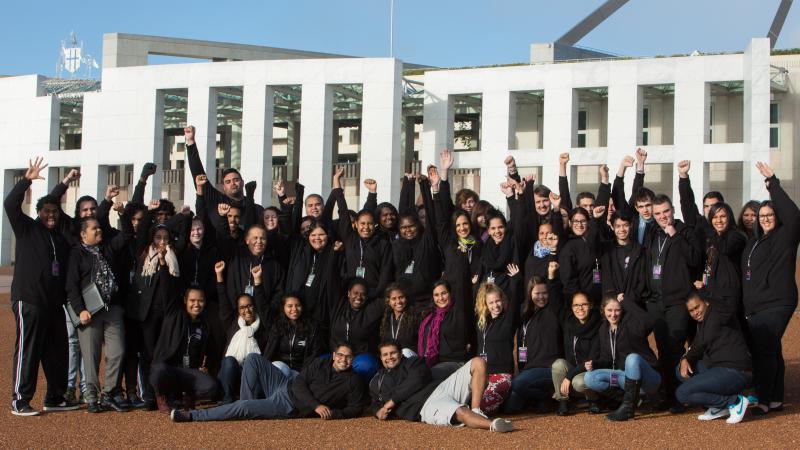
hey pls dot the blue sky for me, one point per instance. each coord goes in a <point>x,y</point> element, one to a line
<point>446,33</point>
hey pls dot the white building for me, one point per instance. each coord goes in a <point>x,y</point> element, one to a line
<point>290,114</point>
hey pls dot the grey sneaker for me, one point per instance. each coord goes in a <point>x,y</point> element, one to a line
<point>24,409</point>
<point>63,405</point>
<point>501,426</point>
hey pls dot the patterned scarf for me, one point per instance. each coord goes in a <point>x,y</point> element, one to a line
<point>428,346</point>
<point>102,275</point>
<point>540,251</point>
<point>466,244</point>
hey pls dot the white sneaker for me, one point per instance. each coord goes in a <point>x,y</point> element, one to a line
<point>501,426</point>
<point>714,413</point>
<point>480,413</point>
<point>737,410</point>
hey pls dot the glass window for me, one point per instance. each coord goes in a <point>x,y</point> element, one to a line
<point>582,120</point>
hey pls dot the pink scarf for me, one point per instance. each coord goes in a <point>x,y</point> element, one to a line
<point>429,348</point>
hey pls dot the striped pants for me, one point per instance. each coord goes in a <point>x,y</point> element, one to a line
<point>41,336</point>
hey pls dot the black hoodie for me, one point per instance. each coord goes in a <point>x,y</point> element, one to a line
<point>400,384</point>
<point>630,337</point>
<point>581,341</point>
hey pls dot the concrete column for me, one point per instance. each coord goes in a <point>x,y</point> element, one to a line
<point>292,150</point>
<point>316,116</point>
<point>257,114</point>
<point>202,113</point>
<point>495,123</point>
<point>437,130</point>
<point>156,155</point>
<point>6,235</point>
<point>408,143</point>
<point>756,117</point>
<point>625,100</point>
<point>692,102</point>
<point>560,126</point>
<point>94,180</point>
<point>381,155</point>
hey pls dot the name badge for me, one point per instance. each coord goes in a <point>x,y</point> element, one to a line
<point>747,274</point>
<point>249,290</point>
<point>361,271</point>
<point>522,354</point>
<point>657,272</point>
<point>55,269</point>
<point>490,279</point>
<point>310,279</point>
<point>484,357</point>
<point>186,362</point>
<point>596,276</point>
<point>410,269</point>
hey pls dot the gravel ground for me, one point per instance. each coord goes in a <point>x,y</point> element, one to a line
<point>139,429</point>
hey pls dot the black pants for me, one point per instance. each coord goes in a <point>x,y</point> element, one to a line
<point>671,329</point>
<point>41,336</point>
<point>151,329</point>
<point>766,330</point>
<point>172,380</point>
<point>134,352</point>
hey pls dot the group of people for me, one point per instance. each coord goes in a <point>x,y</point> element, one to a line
<point>441,309</point>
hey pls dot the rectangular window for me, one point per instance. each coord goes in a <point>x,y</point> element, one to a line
<point>582,120</point>
<point>774,125</point>
<point>581,140</point>
<point>645,125</point>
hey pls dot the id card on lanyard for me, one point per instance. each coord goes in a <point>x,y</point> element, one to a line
<point>361,270</point>
<point>748,273</point>
<point>55,267</point>
<point>522,350</point>
<point>657,265</point>
<point>596,272</point>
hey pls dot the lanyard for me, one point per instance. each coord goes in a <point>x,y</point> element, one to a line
<point>347,325</point>
<point>380,383</point>
<point>188,338</point>
<point>313,263</point>
<point>361,255</point>
<point>391,325</point>
<point>525,331</point>
<point>53,244</point>
<point>574,348</point>
<point>750,255</point>
<point>291,347</point>
<point>661,248</point>
<point>485,332</point>
<point>612,338</point>
<point>196,267</point>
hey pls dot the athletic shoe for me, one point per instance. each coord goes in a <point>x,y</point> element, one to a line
<point>180,416</point>
<point>501,426</point>
<point>775,406</point>
<point>111,404</point>
<point>480,413</point>
<point>70,395</point>
<point>714,413</point>
<point>24,409</point>
<point>136,402</point>
<point>94,407</point>
<point>737,410</point>
<point>563,408</point>
<point>63,405</point>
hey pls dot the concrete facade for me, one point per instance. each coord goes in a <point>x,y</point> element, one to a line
<point>123,122</point>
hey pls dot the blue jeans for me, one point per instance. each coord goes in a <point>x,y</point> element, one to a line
<point>717,387</point>
<point>229,375</point>
<point>285,369</point>
<point>636,368</point>
<point>75,360</point>
<point>530,385</point>
<point>264,394</point>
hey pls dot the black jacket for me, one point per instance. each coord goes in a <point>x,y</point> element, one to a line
<point>320,384</point>
<point>719,341</point>
<point>358,327</point>
<point>540,330</point>
<point>581,341</point>
<point>295,348</point>
<point>679,256</point>
<point>238,276</point>
<point>410,376</point>
<point>496,340</point>
<point>325,288</point>
<point>174,337</point>
<point>629,206</point>
<point>630,337</point>
<point>770,260</point>
<point>625,270</point>
<point>38,252</point>
<point>158,292</point>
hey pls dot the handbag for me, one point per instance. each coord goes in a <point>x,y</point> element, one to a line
<point>92,301</point>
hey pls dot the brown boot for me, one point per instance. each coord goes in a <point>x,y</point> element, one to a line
<point>163,406</point>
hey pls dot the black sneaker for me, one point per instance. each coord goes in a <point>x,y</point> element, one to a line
<point>677,408</point>
<point>180,416</point>
<point>563,408</point>
<point>136,402</point>
<point>110,404</point>
<point>94,408</point>
<point>122,401</point>
<point>24,409</point>
<point>63,405</point>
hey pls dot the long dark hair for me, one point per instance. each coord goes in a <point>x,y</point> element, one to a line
<point>151,235</point>
<point>715,208</point>
<point>529,307</point>
<point>757,230</point>
<point>411,314</point>
<point>282,327</point>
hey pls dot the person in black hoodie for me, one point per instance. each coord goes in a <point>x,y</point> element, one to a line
<point>366,254</point>
<point>769,289</point>
<point>581,346</point>
<point>539,342</point>
<point>673,256</point>
<point>37,298</point>
<point>396,385</point>
<point>326,388</point>
<point>624,263</point>
<point>180,358</point>
<point>400,321</point>
<point>716,368</point>
<point>91,263</point>
<point>356,319</point>
<point>239,277</point>
<point>497,321</point>
<point>245,330</point>
<point>640,205</point>
<point>579,258</point>
<point>443,335</point>
<point>415,255</point>
<point>500,250</point>
<point>293,341</point>
<point>626,360</point>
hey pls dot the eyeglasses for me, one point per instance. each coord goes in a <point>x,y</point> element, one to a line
<point>342,355</point>
<point>580,306</point>
<point>766,216</point>
<point>243,307</point>
<point>579,222</point>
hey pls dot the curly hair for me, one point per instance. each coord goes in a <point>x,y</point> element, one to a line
<point>481,308</point>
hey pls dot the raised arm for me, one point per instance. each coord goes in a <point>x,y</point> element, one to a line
<point>20,222</point>
<point>148,170</point>
<point>785,208</point>
<point>406,205</point>
<point>688,206</point>
<point>563,181</point>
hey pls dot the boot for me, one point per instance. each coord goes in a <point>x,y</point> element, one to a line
<point>163,406</point>
<point>630,399</point>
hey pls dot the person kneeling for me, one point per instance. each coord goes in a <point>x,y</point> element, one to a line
<point>446,406</point>
<point>326,388</point>
<point>717,366</point>
<point>179,360</point>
